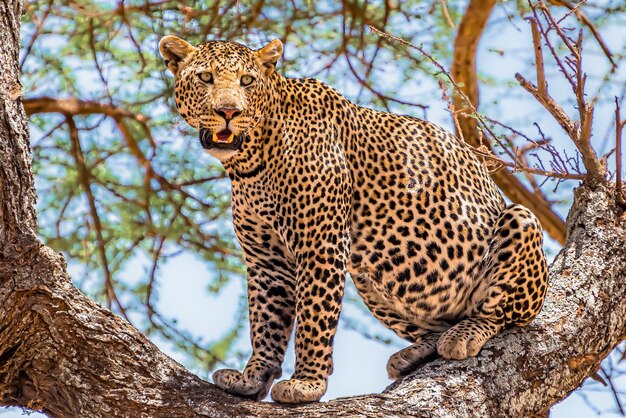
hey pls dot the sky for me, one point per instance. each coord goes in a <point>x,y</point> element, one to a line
<point>359,362</point>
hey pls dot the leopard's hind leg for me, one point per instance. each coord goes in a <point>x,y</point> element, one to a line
<point>512,284</point>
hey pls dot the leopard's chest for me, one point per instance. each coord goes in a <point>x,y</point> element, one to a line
<point>268,203</point>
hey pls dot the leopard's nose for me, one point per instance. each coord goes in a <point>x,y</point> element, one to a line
<point>228,112</point>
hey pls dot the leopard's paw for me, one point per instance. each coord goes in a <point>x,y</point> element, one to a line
<point>460,344</point>
<point>410,358</point>
<point>298,391</point>
<point>248,385</point>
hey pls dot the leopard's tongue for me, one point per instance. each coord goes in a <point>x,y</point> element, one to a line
<point>223,137</point>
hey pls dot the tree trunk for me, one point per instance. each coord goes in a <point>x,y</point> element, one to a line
<point>65,355</point>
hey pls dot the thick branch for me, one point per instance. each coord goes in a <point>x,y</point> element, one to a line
<point>65,355</point>
<point>17,220</point>
<point>73,106</point>
<point>464,73</point>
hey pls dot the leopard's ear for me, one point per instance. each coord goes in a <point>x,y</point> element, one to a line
<point>269,55</point>
<point>174,50</point>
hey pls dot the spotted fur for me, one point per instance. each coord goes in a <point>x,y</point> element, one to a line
<point>322,187</point>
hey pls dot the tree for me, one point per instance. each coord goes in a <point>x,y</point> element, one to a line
<point>67,356</point>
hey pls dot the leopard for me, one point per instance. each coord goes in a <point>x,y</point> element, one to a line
<point>323,189</point>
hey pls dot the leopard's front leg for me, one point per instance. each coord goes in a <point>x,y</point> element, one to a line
<point>271,300</point>
<point>272,306</point>
<point>321,249</point>
<point>320,286</point>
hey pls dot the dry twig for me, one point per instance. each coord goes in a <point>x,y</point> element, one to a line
<point>579,133</point>
<point>583,18</point>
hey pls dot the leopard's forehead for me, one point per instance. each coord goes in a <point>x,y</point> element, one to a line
<point>225,55</point>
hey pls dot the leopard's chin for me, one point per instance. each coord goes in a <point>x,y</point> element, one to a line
<point>222,154</point>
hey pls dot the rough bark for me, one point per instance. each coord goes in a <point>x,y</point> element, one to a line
<point>17,193</point>
<point>65,355</point>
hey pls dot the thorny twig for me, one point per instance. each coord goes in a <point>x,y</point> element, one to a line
<point>495,163</point>
<point>583,18</point>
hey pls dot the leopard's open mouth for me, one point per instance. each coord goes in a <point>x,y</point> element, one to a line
<point>224,139</point>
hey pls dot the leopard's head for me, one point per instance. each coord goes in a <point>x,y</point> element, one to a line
<point>222,88</point>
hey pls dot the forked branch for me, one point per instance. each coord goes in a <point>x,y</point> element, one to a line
<point>578,131</point>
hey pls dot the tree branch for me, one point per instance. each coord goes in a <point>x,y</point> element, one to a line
<point>66,356</point>
<point>579,132</point>
<point>85,182</point>
<point>594,30</point>
<point>74,106</point>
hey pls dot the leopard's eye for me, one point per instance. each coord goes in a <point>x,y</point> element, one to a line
<point>246,80</point>
<point>206,77</point>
